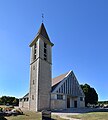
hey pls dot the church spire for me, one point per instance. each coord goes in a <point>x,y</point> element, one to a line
<point>42,31</point>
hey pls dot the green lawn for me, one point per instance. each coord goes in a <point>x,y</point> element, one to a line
<point>92,116</point>
<point>28,115</point>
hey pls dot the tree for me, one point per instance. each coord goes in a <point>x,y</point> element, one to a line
<point>3,99</point>
<point>9,100</point>
<point>90,94</point>
<point>15,102</point>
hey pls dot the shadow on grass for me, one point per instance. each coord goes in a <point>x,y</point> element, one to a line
<point>2,118</point>
<point>81,110</point>
<point>3,115</point>
<point>101,110</point>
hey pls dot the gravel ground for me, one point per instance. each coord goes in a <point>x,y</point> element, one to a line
<point>75,111</point>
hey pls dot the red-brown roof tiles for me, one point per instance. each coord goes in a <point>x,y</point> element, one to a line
<point>58,79</point>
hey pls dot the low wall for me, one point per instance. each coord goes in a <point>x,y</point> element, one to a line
<point>58,104</point>
<point>82,104</point>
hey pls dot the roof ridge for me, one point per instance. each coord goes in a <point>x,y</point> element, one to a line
<point>59,78</point>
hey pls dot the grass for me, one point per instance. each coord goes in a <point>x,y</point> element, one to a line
<point>55,117</point>
<point>92,116</point>
<point>28,115</point>
<point>3,106</point>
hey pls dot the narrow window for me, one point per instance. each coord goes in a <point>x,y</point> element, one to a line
<point>45,51</point>
<point>45,55</point>
<point>33,82</point>
<point>33,67</point>
<point>45,58</point>
<point>32,97</point>
<point>35,51</point>
<point>81,98</point>
<point>45,45</point>
<point>59,97</point>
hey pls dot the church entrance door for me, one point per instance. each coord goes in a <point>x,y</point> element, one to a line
<point>75,104</point>
<point>68,102</point>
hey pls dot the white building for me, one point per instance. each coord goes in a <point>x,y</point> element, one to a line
<point>61,92</point>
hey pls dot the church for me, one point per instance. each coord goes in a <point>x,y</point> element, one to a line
<point>61,92</point>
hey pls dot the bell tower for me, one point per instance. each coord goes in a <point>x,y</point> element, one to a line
<point>40,71</point>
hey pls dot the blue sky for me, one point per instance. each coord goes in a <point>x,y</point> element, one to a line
<point>78,29</point>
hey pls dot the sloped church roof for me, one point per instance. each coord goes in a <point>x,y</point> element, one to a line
<point>58,80</point>
<point>67,84</point>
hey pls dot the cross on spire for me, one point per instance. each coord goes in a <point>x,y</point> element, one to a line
<point>42,17</point>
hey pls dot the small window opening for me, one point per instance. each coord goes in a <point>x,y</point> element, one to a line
<point>33,82</point>
<point>60,97</point>
<point>45,51</point>
<point>32,97</point>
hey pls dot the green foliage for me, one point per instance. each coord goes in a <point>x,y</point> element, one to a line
<point>103,102</point>
<point>90,94</point>
<point>8,100</point>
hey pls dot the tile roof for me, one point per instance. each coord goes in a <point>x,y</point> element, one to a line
<point>58,79</point>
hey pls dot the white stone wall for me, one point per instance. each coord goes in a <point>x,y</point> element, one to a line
<point>44,81</point>
<point>33,87</point>
<point>21,104</point>
<point>42,76</point>
<point>58,104</point>
<point>24,104</point>
<point>81,103</point>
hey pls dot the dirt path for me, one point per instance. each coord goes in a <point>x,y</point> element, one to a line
<point>65,115</point>
<point>68,118</point>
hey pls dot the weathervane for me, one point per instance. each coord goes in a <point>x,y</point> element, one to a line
<point>42,17</point>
